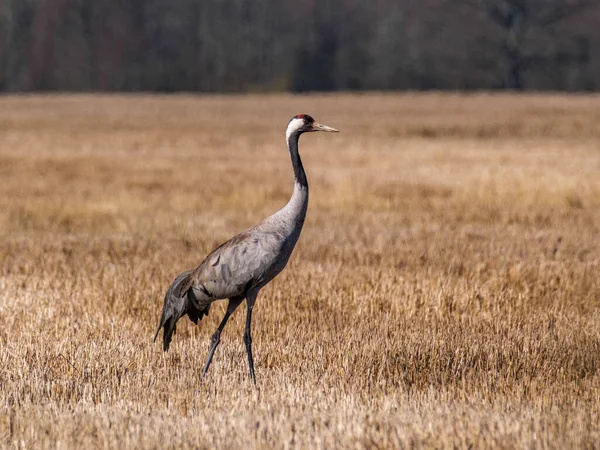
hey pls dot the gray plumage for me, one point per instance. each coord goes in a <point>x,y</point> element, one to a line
<point>240,267</point>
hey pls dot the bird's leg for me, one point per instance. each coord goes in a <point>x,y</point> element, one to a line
<point>214,342</point>
<point>247,338</point>
<point>216,337</point>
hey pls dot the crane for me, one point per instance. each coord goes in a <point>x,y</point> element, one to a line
<point>238,269</point>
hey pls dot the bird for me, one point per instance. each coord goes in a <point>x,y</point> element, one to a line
<point>239,268</point>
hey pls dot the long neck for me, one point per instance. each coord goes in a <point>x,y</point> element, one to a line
<point>295,210</point>
<point>299,174</point>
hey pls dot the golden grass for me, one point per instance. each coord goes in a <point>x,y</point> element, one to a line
<point>445,292</point>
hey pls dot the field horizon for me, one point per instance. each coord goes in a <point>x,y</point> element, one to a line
<point>444,292</point>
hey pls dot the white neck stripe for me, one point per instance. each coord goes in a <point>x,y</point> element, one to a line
<point>294,125</point>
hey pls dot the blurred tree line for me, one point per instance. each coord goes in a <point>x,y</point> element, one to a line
<point>299,45</point>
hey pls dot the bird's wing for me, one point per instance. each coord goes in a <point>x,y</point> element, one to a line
<point>240,263</point>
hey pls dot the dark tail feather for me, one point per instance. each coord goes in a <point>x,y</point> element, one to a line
<point>176,305</point>
<point>170,328</point>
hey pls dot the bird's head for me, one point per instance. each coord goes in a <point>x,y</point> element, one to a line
<point>303,123</point>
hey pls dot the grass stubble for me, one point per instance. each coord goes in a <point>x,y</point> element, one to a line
<point>444,292</point>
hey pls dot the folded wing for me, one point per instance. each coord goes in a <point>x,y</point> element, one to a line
<point>233,268</point>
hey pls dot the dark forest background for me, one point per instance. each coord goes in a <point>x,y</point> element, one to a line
<point>298,45</point>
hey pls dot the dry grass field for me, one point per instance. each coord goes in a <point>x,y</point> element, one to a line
<point>445,292</point>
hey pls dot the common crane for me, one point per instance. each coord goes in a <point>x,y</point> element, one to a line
<point>242,266</point>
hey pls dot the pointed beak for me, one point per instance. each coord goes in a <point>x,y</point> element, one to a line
<point>321,127</point>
